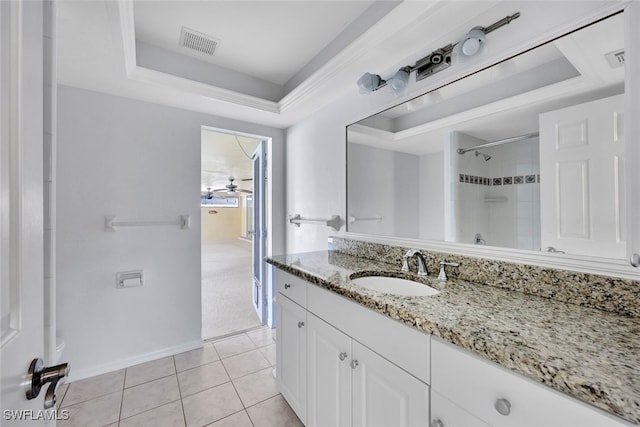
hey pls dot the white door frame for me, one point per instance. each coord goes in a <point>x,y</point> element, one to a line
<point>267,317</point>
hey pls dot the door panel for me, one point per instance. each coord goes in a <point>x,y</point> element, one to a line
<point>21,127</point>
<point>582,184</point>
<point>291,354</point>
<point>259,234</point>
<point>329,377</point>
<point>385,395</point>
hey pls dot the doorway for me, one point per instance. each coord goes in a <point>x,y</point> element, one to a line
<point>232,221</point>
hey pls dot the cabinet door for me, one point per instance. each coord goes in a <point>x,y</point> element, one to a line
<point>385,395</point>
<point>445,413</point>
<point>291,354</point>
<point>329,380</point>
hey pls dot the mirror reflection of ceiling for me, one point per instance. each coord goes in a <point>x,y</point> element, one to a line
<point>504,100</point>
<point>224,156</point>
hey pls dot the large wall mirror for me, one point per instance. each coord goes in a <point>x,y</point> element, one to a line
<point>527,154</point>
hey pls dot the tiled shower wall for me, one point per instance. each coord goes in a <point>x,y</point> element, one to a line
<point>499,198</point>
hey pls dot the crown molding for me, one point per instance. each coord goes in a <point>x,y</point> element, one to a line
<point>317,87</point>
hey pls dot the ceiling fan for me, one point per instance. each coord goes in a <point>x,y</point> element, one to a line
<point>229,190</point>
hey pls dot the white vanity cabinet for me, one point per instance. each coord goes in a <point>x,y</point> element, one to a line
<point>291,342</point>
<point>360,368</point>
<point>500,397</point>
<point>351,385</point>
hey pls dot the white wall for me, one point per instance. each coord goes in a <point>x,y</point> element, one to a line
<point>431,209</point>
<point>316,155</point>
<point>138,161</point>
<point>383,183</point>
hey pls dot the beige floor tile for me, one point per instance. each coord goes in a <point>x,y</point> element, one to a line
<point>261,337</point>
<point>245,363</point>
<point>235,345</point>
<point>149,371</point>
<point>197,357</point>
<point>201,378</point>
<point>90,388</point>
<point>269,352</point>
<point>149,395</point>
<point>96,412</point>
<point>239,419</point>
<point>274,412</point>
<point>211,405</point>
<point>169,415</point>
<point>256,387</point>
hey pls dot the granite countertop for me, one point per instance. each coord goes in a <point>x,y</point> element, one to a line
<point>586,353</point>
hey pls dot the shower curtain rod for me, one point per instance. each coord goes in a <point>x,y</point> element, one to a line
<point>500,142</point>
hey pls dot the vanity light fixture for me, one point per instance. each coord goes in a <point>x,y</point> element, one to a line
<point>469,46</point>
<point>370,83</point>
<point>399,82</point>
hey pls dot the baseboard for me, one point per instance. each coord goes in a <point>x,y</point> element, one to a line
<point>81,374</point>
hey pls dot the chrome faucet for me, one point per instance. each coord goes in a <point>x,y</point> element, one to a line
<point>443,276</point>
<point>422,265</point>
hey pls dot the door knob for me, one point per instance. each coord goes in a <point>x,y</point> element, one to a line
<point>342,355</point>
<point>38,375</point>
<point>354,364</point>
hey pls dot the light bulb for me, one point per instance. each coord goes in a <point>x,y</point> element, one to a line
<point>471,46</point>
<point>400,81</point>
<point>368,82</point>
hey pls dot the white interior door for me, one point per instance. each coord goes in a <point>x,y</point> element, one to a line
<point>21,170</point>
<point>260,296</point>
<point>582,179</point>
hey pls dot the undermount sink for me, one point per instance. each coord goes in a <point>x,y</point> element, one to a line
<point>395,286</point>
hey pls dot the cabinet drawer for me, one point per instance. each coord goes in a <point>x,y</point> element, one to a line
<point>293,287</point>
<point>445,413</point>
<point>482,387</point>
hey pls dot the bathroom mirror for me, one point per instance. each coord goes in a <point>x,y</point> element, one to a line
<point>526,154</point>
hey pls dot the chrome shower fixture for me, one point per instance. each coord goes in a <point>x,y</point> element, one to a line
<point>486,156</point>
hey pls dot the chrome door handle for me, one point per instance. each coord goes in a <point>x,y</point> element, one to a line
<point>38,375</point>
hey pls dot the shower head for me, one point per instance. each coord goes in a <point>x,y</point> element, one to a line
<point>486,156</point>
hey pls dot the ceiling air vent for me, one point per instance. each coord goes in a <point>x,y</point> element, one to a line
<point>615,58</point>
<point>196,40</point>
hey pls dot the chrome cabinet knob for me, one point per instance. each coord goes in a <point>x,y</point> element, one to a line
<point>300,324</point>
<point>354,364</point>
<point>437,423</point>
<point>502,406</point>
<point>287,286</point>
<point>634,260</point>
<point>343,355</point>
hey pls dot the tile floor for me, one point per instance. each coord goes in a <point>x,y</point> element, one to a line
<point>227,383</point>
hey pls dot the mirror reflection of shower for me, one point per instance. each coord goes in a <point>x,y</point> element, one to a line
<point>486,156</point>
<point>496,202</point>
